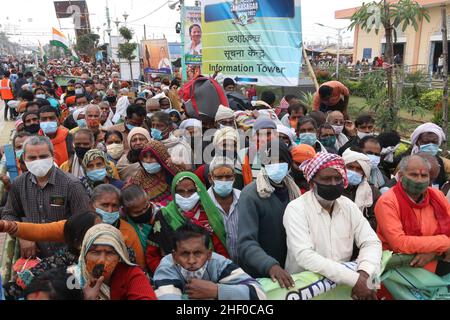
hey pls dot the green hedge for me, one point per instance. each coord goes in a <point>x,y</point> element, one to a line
<point>355,88</point>
<point>431,99</point>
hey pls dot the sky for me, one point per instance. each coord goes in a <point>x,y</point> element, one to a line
<point>35,18</point>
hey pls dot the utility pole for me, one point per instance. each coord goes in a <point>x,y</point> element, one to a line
<point>338,54</point>
<point>108,17</point>
<point>145,32</point>
<point>445,76</point>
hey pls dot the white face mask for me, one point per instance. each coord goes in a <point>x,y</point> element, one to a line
<point>40,168</point>
<point>187,204</point>
<point>338,129</point>
<point>115,150</point>
<point>197,274</point>
<point>362,135</point>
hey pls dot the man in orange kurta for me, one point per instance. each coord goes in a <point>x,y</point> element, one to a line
<point>414,218</point>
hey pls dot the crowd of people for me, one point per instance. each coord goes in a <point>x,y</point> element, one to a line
<point>195,192</point>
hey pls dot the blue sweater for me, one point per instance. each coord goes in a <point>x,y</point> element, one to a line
<point>233,282</point>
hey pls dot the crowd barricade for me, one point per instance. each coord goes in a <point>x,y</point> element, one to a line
<point>398,279</point>
<point>313,286</point>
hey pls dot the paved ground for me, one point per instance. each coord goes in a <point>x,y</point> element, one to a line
<point>5,133</point>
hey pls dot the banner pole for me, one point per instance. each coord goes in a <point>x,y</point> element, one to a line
<point>310,68</point>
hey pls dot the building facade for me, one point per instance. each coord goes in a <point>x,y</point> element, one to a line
<point>417,48</point>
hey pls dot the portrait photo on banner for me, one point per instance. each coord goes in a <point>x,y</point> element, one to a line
<point>193,35</point>
<point>156,57</point>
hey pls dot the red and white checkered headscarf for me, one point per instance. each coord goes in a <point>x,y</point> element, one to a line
<point>322,161</point>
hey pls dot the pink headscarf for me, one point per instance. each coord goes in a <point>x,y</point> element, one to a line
<point>283,106</point>
<point>18,123</point>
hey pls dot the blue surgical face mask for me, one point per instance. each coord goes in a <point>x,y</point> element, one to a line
<point>97,175</point>
<point>223,188</point>
<point>130,127</point>
<point>81,123</point>
<point>108,217</point>
<point>374,160</point>
<point>157,134</point>
<point>19,153</point>
<point>49,127</point>
<point>187,204</point>
<point>79,91</point>
<point>308,138</point>
<point>277,171</point>
<point>354,178</point>
<point>429,148</point>
<point>40,96</point>
<point>152,168</point>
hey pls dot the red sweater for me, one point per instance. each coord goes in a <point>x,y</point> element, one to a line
<point>130,283</point>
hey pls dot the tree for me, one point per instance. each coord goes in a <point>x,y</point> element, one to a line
<point>6,46</point>
<point>390,16</point>
<point>87,44</point>
<point>127,49</point>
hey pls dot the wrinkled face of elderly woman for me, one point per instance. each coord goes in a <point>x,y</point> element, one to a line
<point>101,260</point>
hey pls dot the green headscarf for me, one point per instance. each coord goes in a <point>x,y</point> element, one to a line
<point>175,217</point>
<point>94,154</point>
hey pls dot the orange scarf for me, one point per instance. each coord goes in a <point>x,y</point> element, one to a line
<point>60,145</point>
<point>409,221</point>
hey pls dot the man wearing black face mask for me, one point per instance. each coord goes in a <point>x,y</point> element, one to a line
<point>31,122</point>
<point>111,97</point>
<point>83,141</point>
<point>322,226</point>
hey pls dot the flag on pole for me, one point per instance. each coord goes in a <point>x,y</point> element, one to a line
<point>59,40</point>
<point>74,55</point>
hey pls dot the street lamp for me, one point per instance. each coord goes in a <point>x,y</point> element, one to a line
<point>125,17</point>
<point>117,22</point>
<point>172,5</point>
<point>339,43</point>
<point>108,31</point>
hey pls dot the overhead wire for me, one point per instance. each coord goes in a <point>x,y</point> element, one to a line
<point>149,14</point>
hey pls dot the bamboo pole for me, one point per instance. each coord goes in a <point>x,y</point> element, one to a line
<point>310,68</point>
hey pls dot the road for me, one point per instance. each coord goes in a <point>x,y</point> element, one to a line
<point>5,134</point>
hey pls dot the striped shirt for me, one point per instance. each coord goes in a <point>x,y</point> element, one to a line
<point>61,197</point>
<point>230,221</point>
